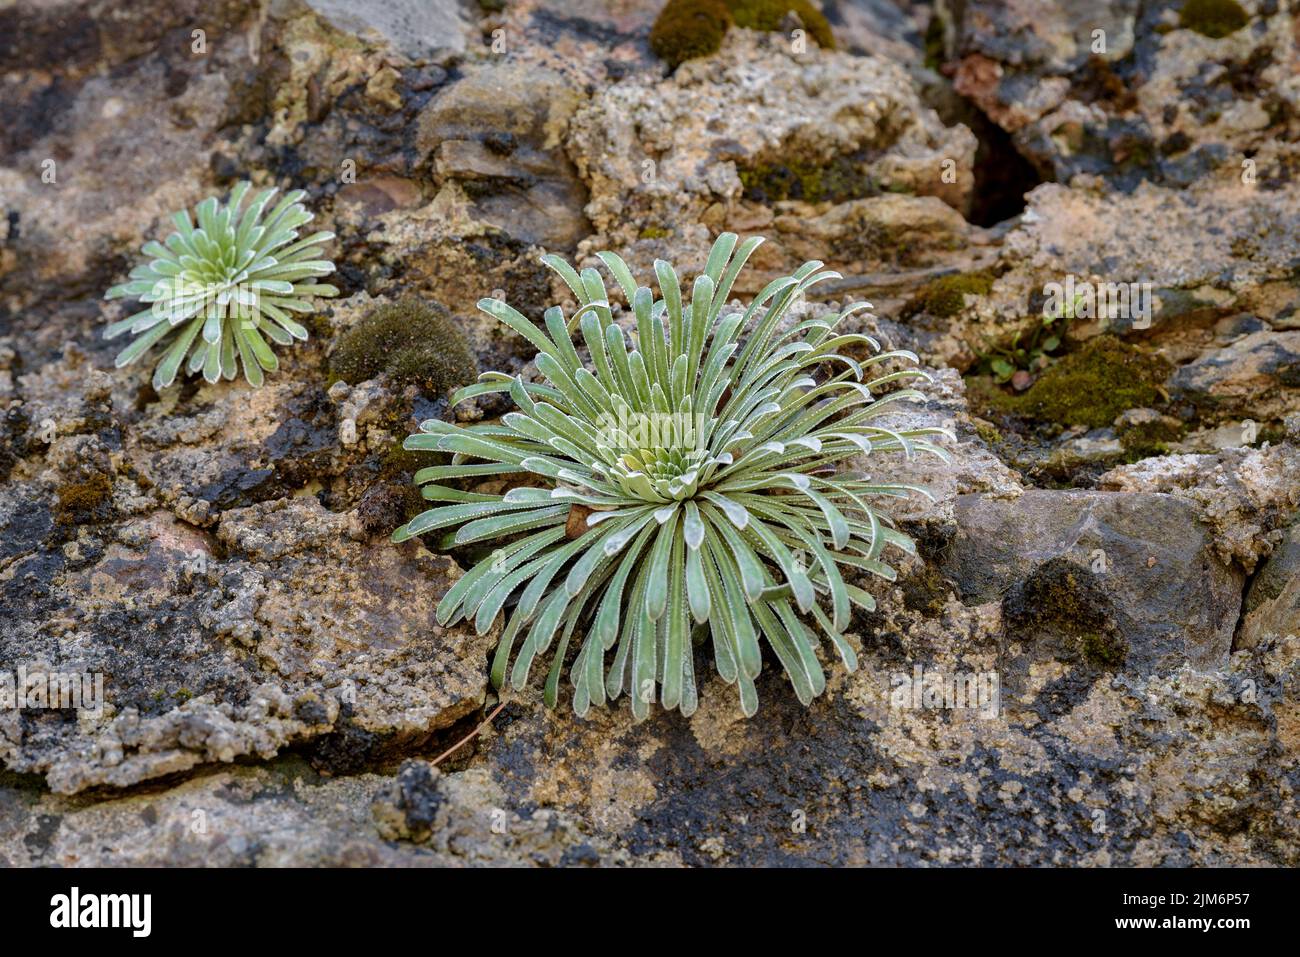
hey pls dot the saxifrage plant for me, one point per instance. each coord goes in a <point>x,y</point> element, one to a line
<point>214,290</point>
<point>1032,354</point>
<point>680,491</point>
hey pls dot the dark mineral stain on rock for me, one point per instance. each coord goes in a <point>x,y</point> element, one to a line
<point>347,750</point>
<point>38,840</point>
<point>1061,604</point>
<point>303,447</point>
<point>27,527</point>
<point>418,798</point>
<point>239,487</point>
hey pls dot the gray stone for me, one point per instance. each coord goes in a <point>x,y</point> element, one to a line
<point>289,631</point>
<point>419,29</point>
<point>1273,601</point>
<point>1249,377</point>
<point>672,151</point>
<point>283,814</point>
<point>495,138</point>
<point>1148,554</point>
<point>1159,103</point>
<point>275,676</point>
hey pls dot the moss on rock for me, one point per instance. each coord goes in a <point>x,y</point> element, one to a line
<point>1213,18</point>
<point>686,29</point>
<point>925,591</point>
<point>1149,437</point>
<point>946,296</point>
<point>841,179</point>
<point>388,504</point>
<point>987,431</point>
<point>83,502</point>
<point>1088,387</point>
<point>769,15</point>
<point>410,342</point>
<point>1102,649</point>
<point>1063,604</point>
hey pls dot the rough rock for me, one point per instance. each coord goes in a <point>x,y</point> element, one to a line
<point>418,29</point>
<point>275,680</point>
<point>1246,495</point>
<point>671,154</point>
<point>1079,766</point>
<point>495,141</point>
<point>1208,291</point>
<point>1133,555</point>
<point>297,633</point>
<point>1246,379</point>
<point>1273,601</point>
<point>283,814</point>
<point>1125,91</point>
<point>1144,237</point>
<point>878,27</point>
<point>591,42</point>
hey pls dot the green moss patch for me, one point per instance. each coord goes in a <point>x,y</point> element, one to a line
<point>1063,604</point>
<point>946,296</point>
<point>1213,18</point>
<point>686,29</point>
<point>841,179</point>
<point>1088,387</point>
<point>410,342</point>
<point>925,591</point>
<point>768,15</point>
<point>1147,439</point>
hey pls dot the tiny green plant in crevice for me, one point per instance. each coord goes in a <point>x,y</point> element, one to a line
<point>1029,351</point>
<point>1089,386</point>
<point>222,284</point>
<point>695,488</point>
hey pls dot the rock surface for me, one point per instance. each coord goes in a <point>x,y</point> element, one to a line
<point>711,146</point>
<point>1272,604</point>
<point>417,29</point>
<point>1140,566</point>
<point>1131,92</point>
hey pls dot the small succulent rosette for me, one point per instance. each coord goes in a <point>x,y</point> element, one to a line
<point>223,287</point>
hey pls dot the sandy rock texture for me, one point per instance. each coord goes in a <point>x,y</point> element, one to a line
<point>1112,553</point>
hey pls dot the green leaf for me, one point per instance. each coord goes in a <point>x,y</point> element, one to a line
<point>657,587</point>
<point>678,644</point>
